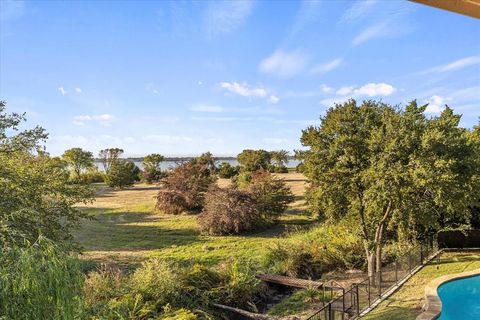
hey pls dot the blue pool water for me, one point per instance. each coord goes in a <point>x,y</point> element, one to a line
<point>460,299</point>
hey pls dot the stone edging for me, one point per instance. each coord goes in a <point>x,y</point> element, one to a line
<point>433,305</point>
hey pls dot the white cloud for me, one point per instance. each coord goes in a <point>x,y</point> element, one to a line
<point>62,91</point>
<point>344,91</point>
<point>358,10</point>
<point>455,65</point>
<point>166,138</point>
<point>243,89</point>
<point>274,99</point>
<point>435,104</point>
<point>329,102</point>
<point>102,119</point>
<point>377,30</point>
<point>275,140</point>
<point>375,89</point>
<point>325,89</point>
<point>369,90</point>
<point>199,83</point>
<point>223,17</point>
<point>327,67</point>
<point>284,64</point>
<point>78,90</point>
<point>70,140</point>
<point>207,108</point>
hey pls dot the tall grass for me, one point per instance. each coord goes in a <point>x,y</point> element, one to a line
<point>40,281</point>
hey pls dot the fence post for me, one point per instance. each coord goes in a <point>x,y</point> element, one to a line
<point>369,289</point>
<point>396,271</point>
<point>358,300</point>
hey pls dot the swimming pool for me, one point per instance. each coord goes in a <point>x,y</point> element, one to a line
<point>460,299</point>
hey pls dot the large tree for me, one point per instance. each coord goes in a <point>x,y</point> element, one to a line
<point>109,157</point>
<point>78,160</point>
<point>388,168</point>
<point>252,160</point>
<point>36,197</point>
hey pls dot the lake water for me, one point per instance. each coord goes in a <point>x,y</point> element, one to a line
<point>168,165</point>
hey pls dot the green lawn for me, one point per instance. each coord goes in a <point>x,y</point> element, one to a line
<point>127,230</point>
<point>407,302</point>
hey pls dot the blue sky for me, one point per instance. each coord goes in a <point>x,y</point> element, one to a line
<point>181,78</point>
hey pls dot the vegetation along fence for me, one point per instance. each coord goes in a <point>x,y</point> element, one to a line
<point>353,302</point>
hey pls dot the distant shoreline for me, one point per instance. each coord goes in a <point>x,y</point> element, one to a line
<point>174,159</point>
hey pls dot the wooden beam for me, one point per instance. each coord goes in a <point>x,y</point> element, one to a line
<point>469,8</point>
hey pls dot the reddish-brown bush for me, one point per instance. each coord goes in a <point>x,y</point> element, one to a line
<point>229,211</point>
<point>184,189</point>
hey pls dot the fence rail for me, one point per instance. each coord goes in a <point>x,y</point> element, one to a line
<point>360,297</point>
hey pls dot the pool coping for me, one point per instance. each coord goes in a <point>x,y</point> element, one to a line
<point>433,304</point>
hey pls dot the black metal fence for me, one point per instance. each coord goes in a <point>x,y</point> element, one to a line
<point>352,302</point>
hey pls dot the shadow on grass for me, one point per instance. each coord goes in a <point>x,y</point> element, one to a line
<point>131,231</point>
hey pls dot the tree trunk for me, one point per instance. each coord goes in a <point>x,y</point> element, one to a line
<point>370,263</point>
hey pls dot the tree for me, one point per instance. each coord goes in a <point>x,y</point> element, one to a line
<point>279,159</point>
<point>78,160</point>
<point>152,171</point>
<point>109,156</point>
<point>226,170</point>
<point>229,211</point>
<point>386,168</point>
<point>206,159</point>
<point>184,188</point>
<point>272,195</point>
<point>36,197</point>
<point>122,174</point>
<point>252,160</point>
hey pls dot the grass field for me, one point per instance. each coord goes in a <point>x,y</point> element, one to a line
<point>127,229</point>
<point>407,302</point>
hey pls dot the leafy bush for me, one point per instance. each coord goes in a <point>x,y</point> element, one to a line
<point>227,171</point>
<point>152,175</point>
<point>184,188</point>
<point>102,285</point>
<point>229,211</point>
<point>155,280</point>
<point>311,253</point>
<point>152,171</point>
<point>252,160</point>
<point>122,174</point>
<point>271,194</point>
<point>91,176</point>
<point>40,281</point>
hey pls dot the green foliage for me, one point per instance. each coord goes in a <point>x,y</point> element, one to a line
<point>40,281</point>
<point>253,160</point>
<point>152,171</point>
<point>78,160</point>
<point>311,253</point>
<point>91,176</point>
<point>36,196</point>
<point>227,171</point>
<point>122,174</point>
<point>279,160</point>
<point>109,157</point>
<point>156,281</point>
<point>383,168</point>
<point>272,195</point>
<point>184,188</point>
<point>206,159</point>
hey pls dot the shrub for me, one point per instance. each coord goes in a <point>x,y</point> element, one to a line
<point>91,176</point>
<point>40,281</point>
<point>322,249</point>
<point>152,175</point>
<point>271,194</point>
<point>155,280</point>
<point>184,188</point>
<point>102,285</point>
<point>228,211</point>
<point>122,174</point>
<point>227,171</point>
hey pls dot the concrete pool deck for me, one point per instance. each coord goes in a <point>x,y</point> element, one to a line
<point>433,304</point>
